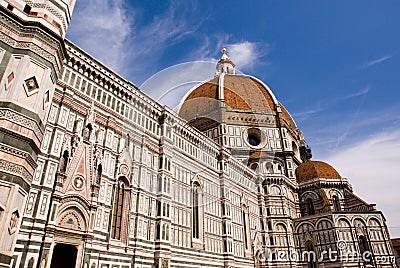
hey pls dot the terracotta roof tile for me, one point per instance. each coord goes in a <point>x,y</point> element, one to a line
<point>396,242</point>
<point>288,117</point>
<point>259,154</point>
<point>243,92</point>
<point>315,169</point>
<point>240,92</point>
<point>201,102</point>
<point>324,197</point>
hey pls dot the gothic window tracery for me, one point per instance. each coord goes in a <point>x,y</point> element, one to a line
<point>87,132</point>
<point>365,249</point>
<point>246,231</point>
<point>311,262</point>
<point>99,172</point>
<point>269,167</point>
<point>121,193</point>
<point>310,206</point>
<point>64,161</point>
<point>281,234</point>
<point>31,262</point>
<point>196,225</point>
<point>336,203</point>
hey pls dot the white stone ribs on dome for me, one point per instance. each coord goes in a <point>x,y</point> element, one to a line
<point>291,117</point>
<point>266,87</point>
<point>188,93</point>
<point>221,85</point>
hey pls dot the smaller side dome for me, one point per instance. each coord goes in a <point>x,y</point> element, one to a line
<point>310,170</point>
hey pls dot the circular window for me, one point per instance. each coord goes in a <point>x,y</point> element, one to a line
<point>254,137</point>
<point>253,140</point>
<point>78,183</point>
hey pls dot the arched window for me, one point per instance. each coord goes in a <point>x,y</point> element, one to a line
<point>158,231</point>
<point>87,132</point>
<point>98,174</point>
<point>336,203</point>
<point>254,166</point>
<point>31,262</point>
<point>295,149</point>
<point>310,206</point>
<point>281,235</point>
<point>246,231</point>
<point>196,225</point>
<point>64,161</point>
<point>365,249</point>
<point>13,222</point>
<point>280,169</point>
<point>269,168</point>
<point>76,125</point>
<point>121,193</point>
<point>164,231</point>
<point>311,256</point>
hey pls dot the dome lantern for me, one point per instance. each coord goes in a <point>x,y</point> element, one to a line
<point>224,65</point>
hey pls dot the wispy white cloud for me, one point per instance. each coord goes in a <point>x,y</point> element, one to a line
<point>356,94</point>
<point>246,54</point>
<point>353,118</point>
<point>304,115</point>
<point>329,134</point>
<point>102,28</point>
<point>377,61</point>
<point>171,84</point>
<point>209,45</point>
<point>107,30</point>
<point>371,165</point>
<point>168,86</point>
<point>322,105</point>
<point>165,30</point>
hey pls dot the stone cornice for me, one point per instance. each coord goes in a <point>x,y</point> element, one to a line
<point>22,120</point>
<point>15,169</point>
<point>19,153</point>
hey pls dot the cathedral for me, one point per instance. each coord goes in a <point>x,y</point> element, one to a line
<point>96,174</point>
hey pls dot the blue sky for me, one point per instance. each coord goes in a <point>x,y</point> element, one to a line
<point>333,64</point>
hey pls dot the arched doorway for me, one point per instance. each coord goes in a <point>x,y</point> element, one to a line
<point>64,256</point>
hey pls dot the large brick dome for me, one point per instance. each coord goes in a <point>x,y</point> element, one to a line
<point>234,92</point>
<point>315,169</point>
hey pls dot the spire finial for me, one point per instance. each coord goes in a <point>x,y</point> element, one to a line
<point>223,50</point>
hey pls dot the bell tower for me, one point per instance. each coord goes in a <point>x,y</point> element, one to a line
<point>31,54</point>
